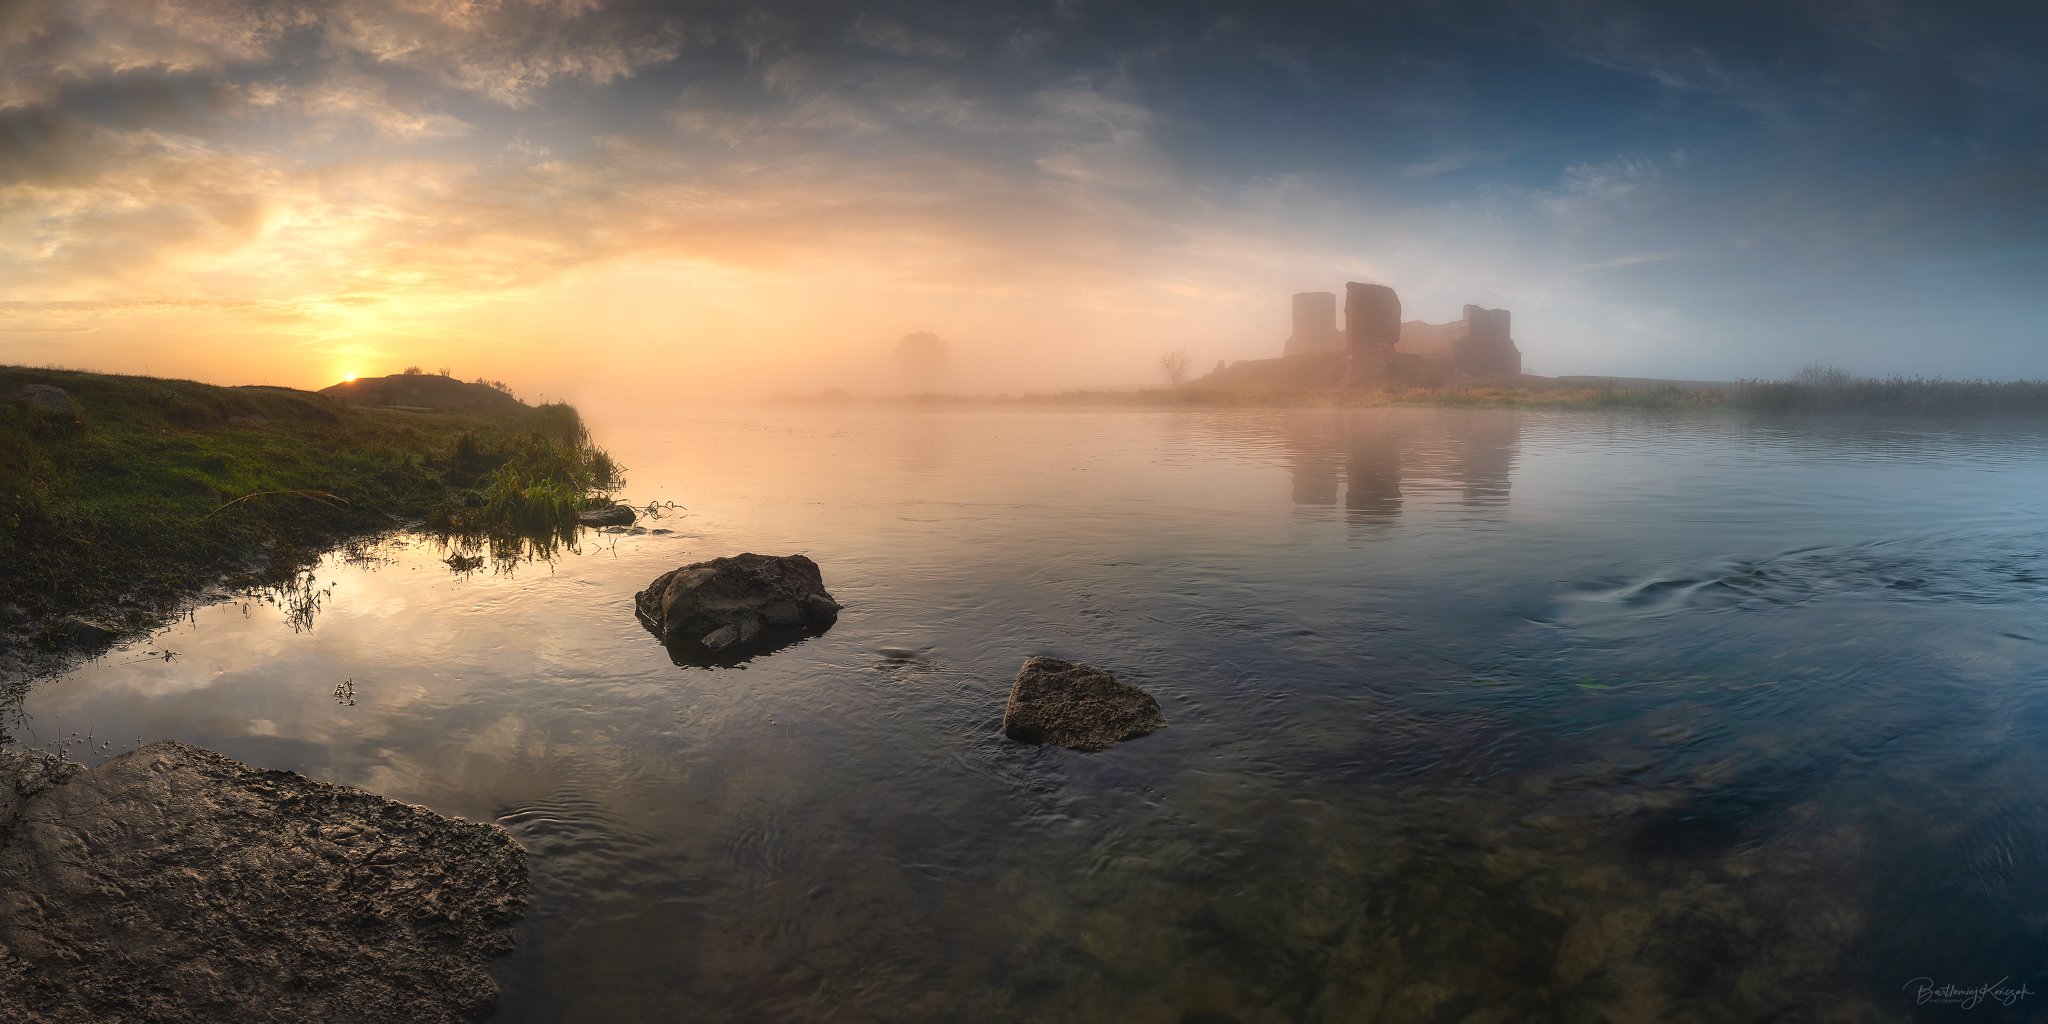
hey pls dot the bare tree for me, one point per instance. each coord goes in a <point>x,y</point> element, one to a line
<point>1174,367</point>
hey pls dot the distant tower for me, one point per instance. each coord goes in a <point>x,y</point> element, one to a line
<point>1315,324</point>
<point>1486,349</point>
<point>1372,327</point>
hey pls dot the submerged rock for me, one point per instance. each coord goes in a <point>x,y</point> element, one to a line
<point>608,515</point>
<point>88,633</point>
<point>1076,706</point>
<point>174,884</point>
<point>728,609</point>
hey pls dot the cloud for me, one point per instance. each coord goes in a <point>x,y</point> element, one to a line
<point>507,51</point>
<point>892,37</point>
<point>1633,259</point>
<point>347,97</point>
<point>45,44</point>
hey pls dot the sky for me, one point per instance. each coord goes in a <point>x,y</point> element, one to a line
<point>635,201</point>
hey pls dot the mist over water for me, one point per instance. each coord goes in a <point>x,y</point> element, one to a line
<point>1535,715</point>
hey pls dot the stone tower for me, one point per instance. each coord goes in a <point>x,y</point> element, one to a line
<point>1315,324</point>
<point>1486,349</point>
<point>1372,327</point>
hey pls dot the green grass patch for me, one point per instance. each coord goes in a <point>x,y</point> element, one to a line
<point>159,489</point>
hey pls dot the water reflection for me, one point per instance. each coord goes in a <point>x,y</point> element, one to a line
<point>1373,477</point>
<point>1376,458</point>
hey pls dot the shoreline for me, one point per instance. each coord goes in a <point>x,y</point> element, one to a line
<point>1926,397</point>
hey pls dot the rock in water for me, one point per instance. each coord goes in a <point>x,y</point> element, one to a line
<point>729,609</point>
<point>609,515</point>
<point>1076,706</point>
<point>174,884</point>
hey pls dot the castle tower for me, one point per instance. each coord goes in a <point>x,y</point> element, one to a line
<point>1486,348</point>
<point>1315,324</point>
<point>1372,327</point>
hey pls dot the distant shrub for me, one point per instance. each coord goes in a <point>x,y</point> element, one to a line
<point>1817,376</point>
<point>412,371</point>
<point>1894,395</point>
<point>559,422</point>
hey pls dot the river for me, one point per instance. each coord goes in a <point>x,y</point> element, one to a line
<point>1473,715</point>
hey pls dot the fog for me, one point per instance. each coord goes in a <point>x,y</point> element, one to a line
<point>617,202</point>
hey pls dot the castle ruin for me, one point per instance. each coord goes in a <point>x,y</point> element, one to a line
<point>1377,347</point>
<point>1478,344</point>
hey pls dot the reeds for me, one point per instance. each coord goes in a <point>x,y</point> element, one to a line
<point>1837,392</point>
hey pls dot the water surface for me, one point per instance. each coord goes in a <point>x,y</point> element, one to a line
<point>1474,715</point>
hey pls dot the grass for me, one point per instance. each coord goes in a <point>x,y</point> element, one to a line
<point>162,489</point>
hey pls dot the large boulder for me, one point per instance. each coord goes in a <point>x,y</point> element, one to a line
<point>51,399</point>
<point>174,884</point>
<point>1076,706</point>
<point>729,609</point>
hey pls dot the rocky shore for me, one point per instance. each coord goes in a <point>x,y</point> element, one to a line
<point>175,884</point>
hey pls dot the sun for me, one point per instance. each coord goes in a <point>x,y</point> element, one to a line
<point>349,377</point>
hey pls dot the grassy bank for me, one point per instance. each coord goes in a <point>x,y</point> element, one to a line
<point>1541,396</point>
<point>1894,396</point>
<point>157,490</point>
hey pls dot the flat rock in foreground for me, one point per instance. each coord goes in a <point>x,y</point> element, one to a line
<point>1076,706</point>
<point>175,884</point>
<point>729,609</point>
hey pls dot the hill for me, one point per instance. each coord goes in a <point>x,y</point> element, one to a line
<point>426,392</point>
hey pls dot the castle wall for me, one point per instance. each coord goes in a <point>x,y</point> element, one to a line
<point>1430,341</point>
<point>1478,344</point>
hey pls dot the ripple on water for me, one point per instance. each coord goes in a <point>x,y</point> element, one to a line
<point>579,842</point>
<point>1980,568</point>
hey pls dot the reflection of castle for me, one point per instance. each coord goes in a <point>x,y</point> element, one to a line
<point>1377,347</point>
<point>1372,464</point>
